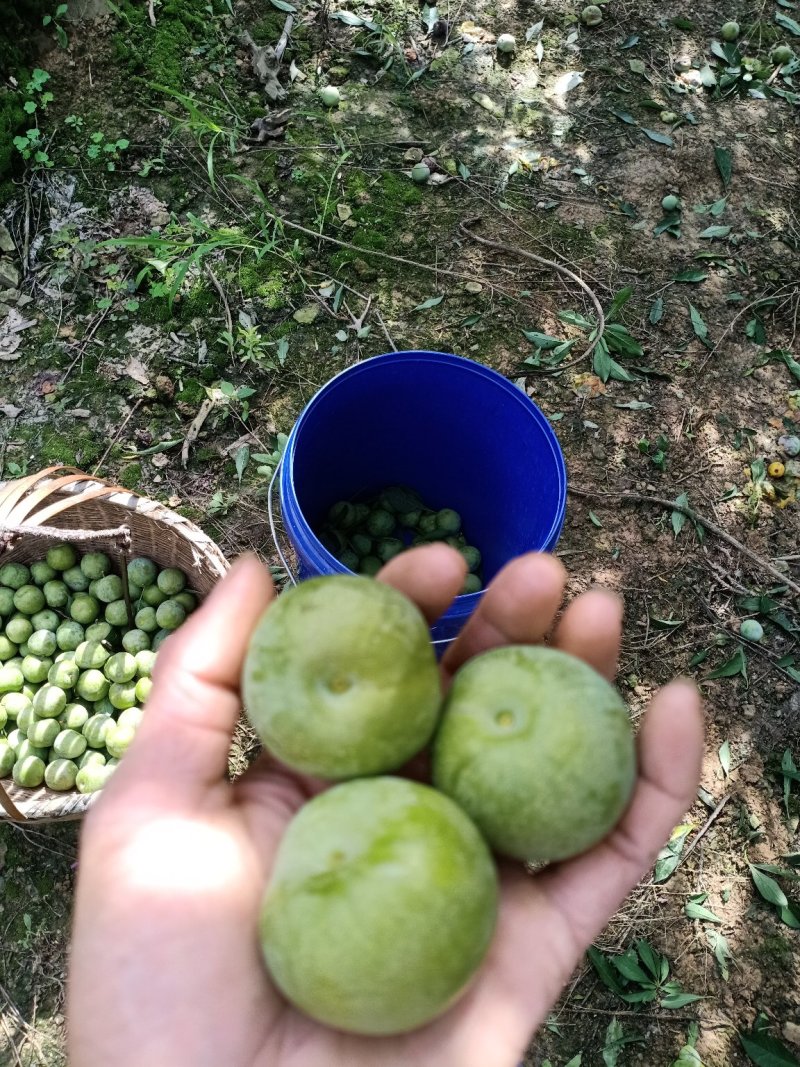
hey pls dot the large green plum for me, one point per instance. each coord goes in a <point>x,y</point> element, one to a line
<point>380,908</point>
<point>340,678</point>
<point>537,748</point>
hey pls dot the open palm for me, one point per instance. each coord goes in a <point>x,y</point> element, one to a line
<point>165,966</point>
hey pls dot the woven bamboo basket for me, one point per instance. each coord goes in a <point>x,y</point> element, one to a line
<point>63,504</point>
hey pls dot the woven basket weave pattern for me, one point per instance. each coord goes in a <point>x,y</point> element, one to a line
<point>155,531</point>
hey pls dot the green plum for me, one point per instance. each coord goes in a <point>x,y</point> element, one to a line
<point>348,559</point>
<point>64,674</point>
<point>92,777</point>
<point>537,748</point>
<point>472,584</point>
<point>69,635</point>
<point>68,744</point>
<point>142,572</point>
<point>369,566</point>
<point>42,643</point>
<point>14,575</point>
<point>92,685</point>
<point>75,580</point>
<point>12,679</point>
<point>46,619</point>
<point>171,581</point>
<point>448,521</point>
<point>389,548</point>
<point>56,594</point>
<point>18,629</point>
<point>170,615</point>
<point>122,694</point>
<point>136,641</point>
<point>380,908</point>
<point>26,718</point>
<point>36,668</point>
<point>159,639</point>
<point>8,758</point>
<point>27,748</point>
<point>130,717</point>
<point>116,613</point>
<point>187,600</point>
<point>119,738</point>
<point>14,703</point>
<point>6,601</point>
<point>144,687</point>
<point>8,649</point>
<point>43,732</point>
<point>152,596</point>
<point>100,631</point>
<point>472,556</point>
<point>28,771</point>
<point>84,608</point>
<point>340,678</point>
<point>109,589</point>
<point>95,565</point>
<point>95,730</point>
<point>92,755</point>
<point>42,572</point>
<point>62,557</point>
<point>49,701</point>
<point>73,717</point>
<point>90,654</point>
<point>380,523</point>
<point>146,619</point>
<point>121,667</point>
<point>362,545</point>
<point>3,719</point>
<point>60,775</point>
<point>104,707</point>
<point>145,662</point>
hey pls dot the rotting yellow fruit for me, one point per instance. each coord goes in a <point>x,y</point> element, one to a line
<point>776,469</point>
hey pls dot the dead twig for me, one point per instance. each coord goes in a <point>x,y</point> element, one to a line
<point>194,430</point>
<point>228,318</point>
<point>117,435</point>
<point>553,265</point>
<point>704,829</point>
<point>151,13</point>
<point>695,516</point>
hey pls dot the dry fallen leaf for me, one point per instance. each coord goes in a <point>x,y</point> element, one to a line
<point>135,369</point>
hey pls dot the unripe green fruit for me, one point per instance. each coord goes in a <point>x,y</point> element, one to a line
<point>506,43</point>
<point>62,557</point>
<point>84,608</point>
<point>69,744</point>
<point>142,571</point>
<point>69,635</point>
<point>49,701</point>
<point>75,580</point>
<point>56,594</point>
<point>14,575</point>
<point>171,581</point>
<point>95,565</point>
<point>60,775</point>
<point>380,907</point>
<point>135,641</point>
<point>92,685</point>
<point>340,678</point>
<point>730,31</point>
<point>42,572</point>
<point>781,54</point>
<point>92,777</point>
<point>752,630</point>
<point>537,748</point>
<point>28,772</point>
<point>670,202</point>
<point>591,15</point>
<point>420,173</point>
<point>330,96</point>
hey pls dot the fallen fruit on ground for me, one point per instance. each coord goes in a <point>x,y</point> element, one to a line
<point>340,678</point>
<point>537,748</point>
<point>380,908</point>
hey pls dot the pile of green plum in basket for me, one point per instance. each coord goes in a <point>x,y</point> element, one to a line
<point>366,534</point>
<point>74,673</point>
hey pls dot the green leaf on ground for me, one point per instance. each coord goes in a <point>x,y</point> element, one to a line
<point>691,276</point>
<point>722,158</point>
<point>737,664</point>
<point>694,910</point>
<point>669,856</point>
<point>722,953</point>
<point>767,1051</point>
<point>659,138</point>
<point>712,232</point>
<point>787,23</point>
<point>431,302</point>
<point>614,1043</point>
<point>656,311</point>
<point>594,519</point>
<point>699,325</point>
<point>636,65</point>
<point>678,518</point>
<point>624,116</point>
<point>542,340</point>
<point>768,887</point>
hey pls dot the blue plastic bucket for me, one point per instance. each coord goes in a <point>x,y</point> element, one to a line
<point>460,434</point>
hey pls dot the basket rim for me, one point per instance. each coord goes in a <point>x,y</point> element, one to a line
<point>18,804</point>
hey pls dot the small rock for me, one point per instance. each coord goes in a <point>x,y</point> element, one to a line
<point>473,287</point>
<point>9,275</point>
<point>791,1031</point>
<point>6,240</point>
<point>789,445</point>
<point>407,240</point>
<point>413,155</point>
<point>165,387</point>
<point>749,711</point>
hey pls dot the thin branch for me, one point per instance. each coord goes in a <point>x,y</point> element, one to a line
<point>695,516</point>
<point>117,435</point>
<point>704,829</point>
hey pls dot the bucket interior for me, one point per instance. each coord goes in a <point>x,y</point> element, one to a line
<point>462,436</point>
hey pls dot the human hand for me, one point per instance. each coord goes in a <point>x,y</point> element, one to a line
<point>166,969</point>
